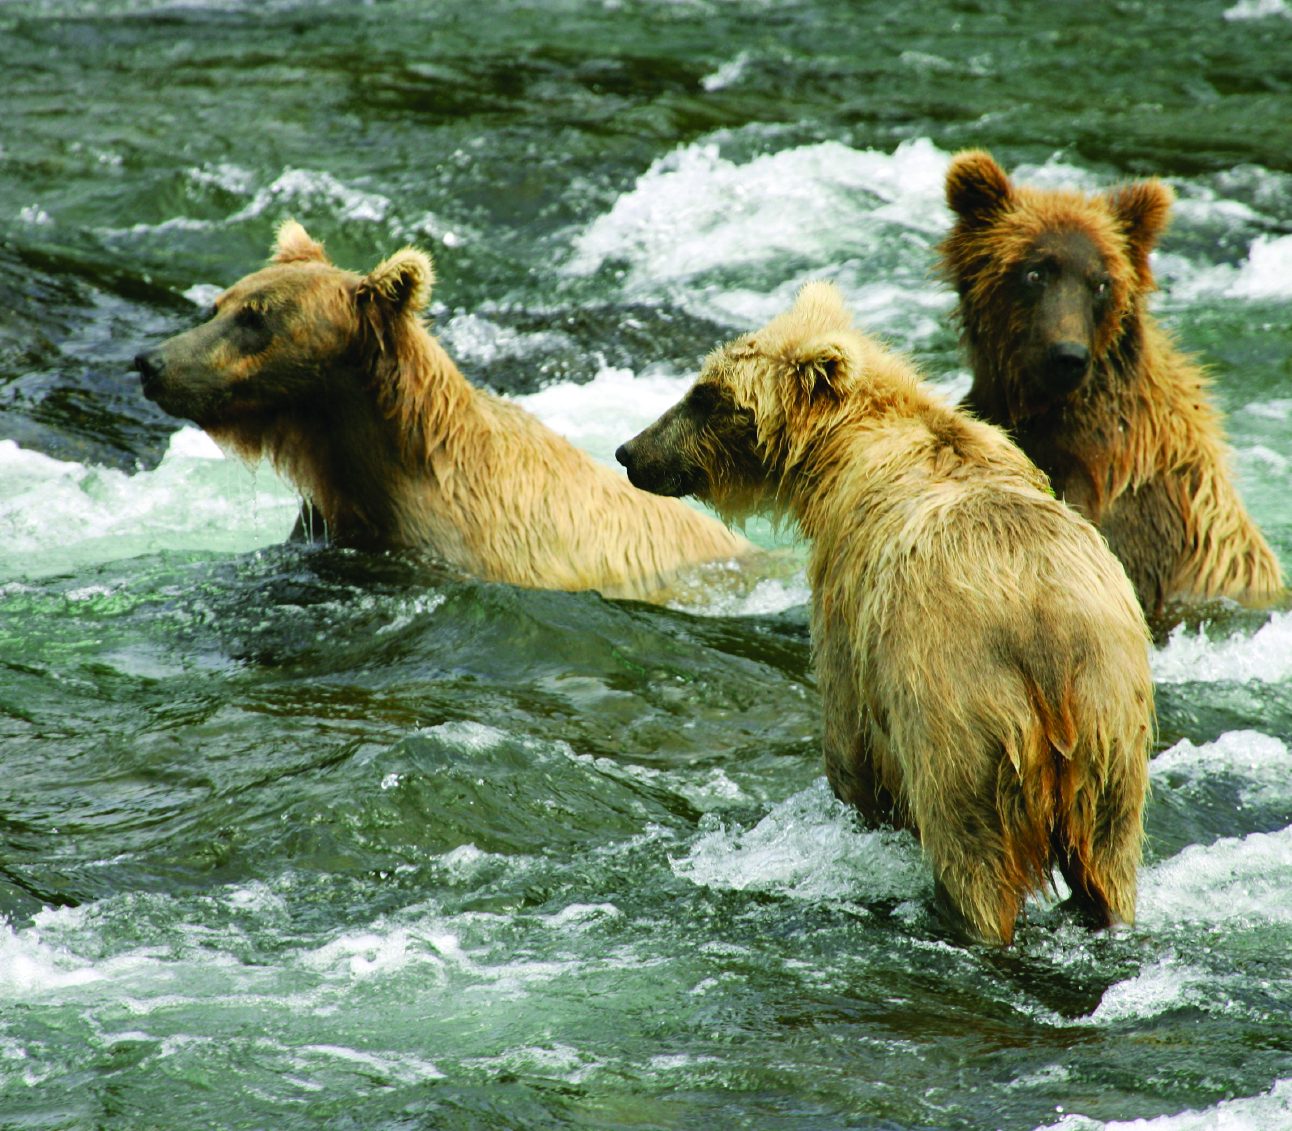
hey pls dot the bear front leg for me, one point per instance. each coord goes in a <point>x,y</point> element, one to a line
<point>854,745</point>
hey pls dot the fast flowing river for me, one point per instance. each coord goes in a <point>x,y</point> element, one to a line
<point>301,838</point>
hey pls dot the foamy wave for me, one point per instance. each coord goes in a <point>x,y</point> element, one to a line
<point>474,340</point>
<point>1167,984</point>
<point>225,176</point>
<point>403,1068</point>
<point>1258,10</point>
<point>56,514</point>
<point>817,211</point>
<point>1190,657</point>
<point>728,74</point>
<point>1267,272</point>
<point>1237,882</point>
<point>555,1061</point>
<point>1261,762</point>
<point>1266,1112</point>
<point>381,952</point>
<point>613,407</point>
<point>310,190</point>
<point>807,847</point>
<point>30,966</point>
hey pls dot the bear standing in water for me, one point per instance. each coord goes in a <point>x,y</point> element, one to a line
<point>1053,290</point>
<point>982,661</point>
<point>335,378</point>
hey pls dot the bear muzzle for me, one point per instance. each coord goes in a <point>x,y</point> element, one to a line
<point>1066,366</point>
<point>627,457</point>
<point>151,369</point>
<point>658,476</point>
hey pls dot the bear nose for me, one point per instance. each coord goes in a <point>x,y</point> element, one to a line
<point>621,454</point>
<point>1068,362</point>
<point>149,367</point>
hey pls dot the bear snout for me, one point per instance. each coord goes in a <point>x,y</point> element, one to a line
<point>1066,365</point>
<point>150,368</point>
<point>647,472</point>
<point>627,457</point>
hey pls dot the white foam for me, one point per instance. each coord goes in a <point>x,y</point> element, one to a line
<point>48,958</point>
<point>1270,1111</point>
<point>1267,272</point>
<point>309,190</point>
<point>728,74</point>
<point>404,1068</point>
<point>559,1061</point>
<point>467,735</point>
<point>733,239</point>
<point>383,951</point>
<point>601,414</point>
<point>1261,762</point>
<point>1166,984</point>
<point>581,916</point>
<point>1279,408</point>
<point>475,341</point>
<point>808,847</point>
<point>769,596</point>
<point>864,218</point>
<point>29,966</point>
<point>1236,882</point>
<point>1258,10</point>
<point>1189,656</point>
<point>56,515</point>
<point>223,175</point>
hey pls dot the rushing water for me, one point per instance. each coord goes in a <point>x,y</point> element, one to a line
<point>299,838</point>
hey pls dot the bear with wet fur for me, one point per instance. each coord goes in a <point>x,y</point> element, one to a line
<point>1053,288</point>
<point>334,377</point>
<point>981,658</point>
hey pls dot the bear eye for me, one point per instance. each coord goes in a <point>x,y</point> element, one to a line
<point>1101,288</point>
<point>249,318</point>
<point>1033,277</point>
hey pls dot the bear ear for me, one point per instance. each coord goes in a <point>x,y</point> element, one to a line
<point>1142,210</point>
<point>821,306</point>
<point>401,283</point>
<point>811,339</point>
<point>822,368</point>
<point>293,244</point>
<point>977,188</point>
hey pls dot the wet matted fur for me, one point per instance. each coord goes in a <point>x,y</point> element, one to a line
<point>982,661</point>
<point>1053,288</point>
<point>334,377</point>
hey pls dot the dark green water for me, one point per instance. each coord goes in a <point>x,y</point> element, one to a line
<point>304,838</point>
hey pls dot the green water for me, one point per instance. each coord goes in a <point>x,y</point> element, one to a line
<point>300,838</point>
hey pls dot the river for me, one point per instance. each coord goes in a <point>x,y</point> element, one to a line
<point>298,837</point>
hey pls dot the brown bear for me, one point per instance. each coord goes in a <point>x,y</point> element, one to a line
<point>336,379</point>
<point>981,659</point>
<point>1053,289</point>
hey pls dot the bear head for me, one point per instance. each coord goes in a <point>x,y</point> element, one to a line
<point>748,420</point>
<point>286,341</point>
<point>1052,283</point>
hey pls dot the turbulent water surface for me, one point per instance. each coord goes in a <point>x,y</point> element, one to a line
<point>298,838</point>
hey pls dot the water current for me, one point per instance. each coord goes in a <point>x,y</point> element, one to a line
<point>299,837</point>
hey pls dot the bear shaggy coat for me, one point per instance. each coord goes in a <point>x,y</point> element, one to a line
<point>1053,289</point>
<point>335,378</point>
<point>982,662</point>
